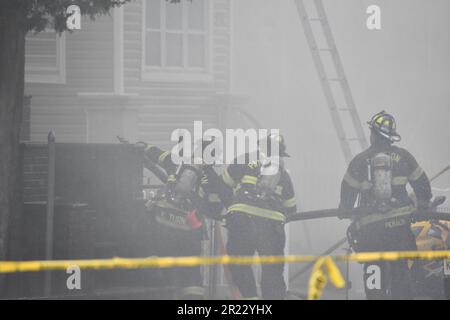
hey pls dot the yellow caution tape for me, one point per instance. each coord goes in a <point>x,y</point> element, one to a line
<point>151,262</point>
<point>168,262</point>
<point>393,256</point>
<point>323,269</point>
<point>317,283</point>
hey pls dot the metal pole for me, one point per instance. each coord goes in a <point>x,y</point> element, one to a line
<point>50,209</point>
<point>212,283</point>
<point>348,284</point>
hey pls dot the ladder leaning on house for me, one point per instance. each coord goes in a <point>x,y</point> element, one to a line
<point>343,113</point>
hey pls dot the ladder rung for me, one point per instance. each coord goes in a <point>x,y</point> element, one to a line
<point>326,49</point>
<point>336,79</point>
<point>345,109</point>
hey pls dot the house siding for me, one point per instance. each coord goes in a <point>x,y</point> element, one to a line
<point>89,68</point>
<point>153,109</point>
<point>165,106</point>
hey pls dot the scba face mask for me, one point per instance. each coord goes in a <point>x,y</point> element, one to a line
<point>187,179</point>
<point>381,171</point>
<point>270,174</point>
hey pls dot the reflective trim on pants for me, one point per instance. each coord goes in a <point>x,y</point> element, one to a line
<point>256,211</point>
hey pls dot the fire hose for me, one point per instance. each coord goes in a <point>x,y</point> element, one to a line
<point>352,213</point>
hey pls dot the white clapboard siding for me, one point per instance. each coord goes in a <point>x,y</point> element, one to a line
<point>88,68</point>
<point>165,106</point>
<point>44,61</point>
<point>160,106</point>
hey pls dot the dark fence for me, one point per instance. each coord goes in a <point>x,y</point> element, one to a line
<point>98,212</point>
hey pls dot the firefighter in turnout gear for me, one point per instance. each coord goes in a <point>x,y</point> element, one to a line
<point>258,200</point>
<point>179,210</point>
<point>376,179</point>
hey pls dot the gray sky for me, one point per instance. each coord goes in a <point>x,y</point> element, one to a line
<point>403,68</point>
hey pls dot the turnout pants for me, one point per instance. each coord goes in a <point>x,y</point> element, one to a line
<point>173,242</point>
<point>248,234</point>
<point>388,279</point>
<point>394,280</point>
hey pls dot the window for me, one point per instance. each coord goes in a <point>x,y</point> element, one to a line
<point>45,57</point>
<point>176,39</point>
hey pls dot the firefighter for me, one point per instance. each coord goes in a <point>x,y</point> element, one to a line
<point>179,210</point>
<point>258,200</point>
<point>376,180</point>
